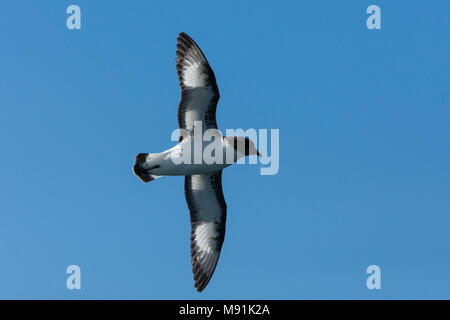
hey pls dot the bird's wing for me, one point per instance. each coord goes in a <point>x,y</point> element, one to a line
<point>199,92</point>
<point>208,210</point>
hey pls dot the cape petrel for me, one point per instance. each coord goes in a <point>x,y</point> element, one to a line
<point>203,186</point>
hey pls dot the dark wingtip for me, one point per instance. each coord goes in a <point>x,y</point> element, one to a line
<point>200,286</point>
<point>183,35</point>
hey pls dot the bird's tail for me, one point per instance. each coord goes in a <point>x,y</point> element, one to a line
<point>141,168</point>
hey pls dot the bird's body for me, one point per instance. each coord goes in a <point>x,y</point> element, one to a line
<point>191,156</point>
<point>200,160</point>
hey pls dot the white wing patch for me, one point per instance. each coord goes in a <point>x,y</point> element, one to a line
<point>196,107</point>
<point>193,76</point>
<point>203,235</point>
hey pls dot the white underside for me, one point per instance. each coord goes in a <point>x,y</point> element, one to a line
<point>178,162</point>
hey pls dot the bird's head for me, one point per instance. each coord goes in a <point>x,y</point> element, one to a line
<point>243,146</point>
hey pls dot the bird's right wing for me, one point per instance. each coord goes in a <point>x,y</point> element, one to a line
<point>208,210</point>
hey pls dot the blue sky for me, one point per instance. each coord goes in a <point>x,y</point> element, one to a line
<point>364,149</point>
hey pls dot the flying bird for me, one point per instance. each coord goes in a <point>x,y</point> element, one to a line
<point>203,179</point>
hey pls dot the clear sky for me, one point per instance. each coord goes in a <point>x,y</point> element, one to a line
<point>364,173</point>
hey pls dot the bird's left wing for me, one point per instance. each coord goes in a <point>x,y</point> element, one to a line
<point>208,210</point>
<point>199,92</point>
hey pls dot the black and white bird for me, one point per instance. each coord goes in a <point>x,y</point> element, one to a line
<point>203,180</point>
